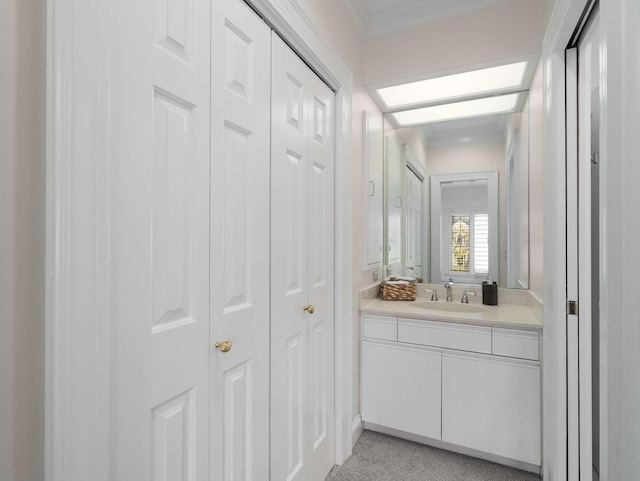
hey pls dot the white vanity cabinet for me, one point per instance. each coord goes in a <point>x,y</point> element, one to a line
<point>464,387</point>
<point>401,386</point>
<point>492,404</point>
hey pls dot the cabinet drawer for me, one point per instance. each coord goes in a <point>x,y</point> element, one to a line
<point>515,343</point>
<point>380,327</point>
<point>445,334</point>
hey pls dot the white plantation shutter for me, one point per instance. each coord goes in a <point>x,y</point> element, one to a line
<point>481,243</point>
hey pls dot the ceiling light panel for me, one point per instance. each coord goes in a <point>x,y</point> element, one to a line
<point>454,86</point>
<point>457,110</point>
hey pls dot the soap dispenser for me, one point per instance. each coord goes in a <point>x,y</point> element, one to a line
<point>490,292</point>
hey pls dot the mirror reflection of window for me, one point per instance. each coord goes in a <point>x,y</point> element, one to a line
<point>460,243</point>
<point>469,245</point>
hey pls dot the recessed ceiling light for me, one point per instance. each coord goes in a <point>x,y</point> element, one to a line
<point>491,79</point>
<point>457,110</point>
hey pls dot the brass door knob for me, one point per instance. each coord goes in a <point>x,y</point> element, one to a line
<point>310,309</point>
<point>224,346</point>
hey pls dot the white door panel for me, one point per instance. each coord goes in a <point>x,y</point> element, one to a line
<point>239,269</point>
<point>302,175</point>
<point>582,72</point>
<point>320,329</point>
<point>159,242</point>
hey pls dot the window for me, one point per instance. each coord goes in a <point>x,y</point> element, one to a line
<point>469,243</point>
<point>460,243</point>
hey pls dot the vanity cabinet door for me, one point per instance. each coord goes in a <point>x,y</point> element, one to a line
<point>401,387</point>
<point>492,404</point>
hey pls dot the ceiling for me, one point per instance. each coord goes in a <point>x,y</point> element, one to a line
<point>489,128</point>
<point>380,16</point>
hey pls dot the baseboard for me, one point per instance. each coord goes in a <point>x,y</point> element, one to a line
<point>532,468</point>
<point>357,428</point>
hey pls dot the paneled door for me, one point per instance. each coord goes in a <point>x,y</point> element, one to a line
<point>239,269</point>
<point>302,180</point>
<point>157,240</point>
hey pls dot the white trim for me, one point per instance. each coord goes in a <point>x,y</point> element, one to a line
<point>573,412</point>
<point>562,25</point>
<point>357,428</point>
<point>68,365</point>
<point>76,230</point>
<point>358,13</point>
<point>414,164</point>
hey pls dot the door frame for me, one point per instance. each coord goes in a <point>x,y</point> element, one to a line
<point>563,23</point>
<point>77,353</point>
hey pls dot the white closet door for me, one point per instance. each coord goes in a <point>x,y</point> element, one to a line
<point>158,241</point>
<point>302,173</point>
<point>241,96</point>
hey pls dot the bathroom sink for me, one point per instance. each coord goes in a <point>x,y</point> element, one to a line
<point>449,307</point>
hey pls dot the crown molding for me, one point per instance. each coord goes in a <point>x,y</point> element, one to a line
<point>358,12</point>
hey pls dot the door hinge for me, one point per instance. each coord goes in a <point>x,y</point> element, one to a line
<point>572,308</point>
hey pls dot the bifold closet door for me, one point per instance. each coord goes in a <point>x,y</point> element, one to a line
<point>240,140</point>
<point>155,188</point>
<point>302,222</point>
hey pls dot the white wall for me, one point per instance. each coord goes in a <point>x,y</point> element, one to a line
<point>22,174</point>
<point>411,137</point>
<point>620,171</point>
<point>506,30</point>
<point>456,196</point>
<point>482,157</point>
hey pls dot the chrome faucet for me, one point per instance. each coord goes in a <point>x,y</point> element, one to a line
<point>449,285</point>
<point>434,294</point>
<point>465,298</point>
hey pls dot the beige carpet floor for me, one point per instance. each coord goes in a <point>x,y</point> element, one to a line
<point>378,457</point>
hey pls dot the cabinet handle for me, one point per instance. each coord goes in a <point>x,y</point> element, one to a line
<point>310,309</point>
<point>372,188</point>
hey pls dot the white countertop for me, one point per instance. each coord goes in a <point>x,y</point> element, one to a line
<point>503,315</point>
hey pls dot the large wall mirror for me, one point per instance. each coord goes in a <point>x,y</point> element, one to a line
<point>456,197</point>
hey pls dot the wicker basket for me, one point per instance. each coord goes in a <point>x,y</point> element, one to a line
<point>398,292</point>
